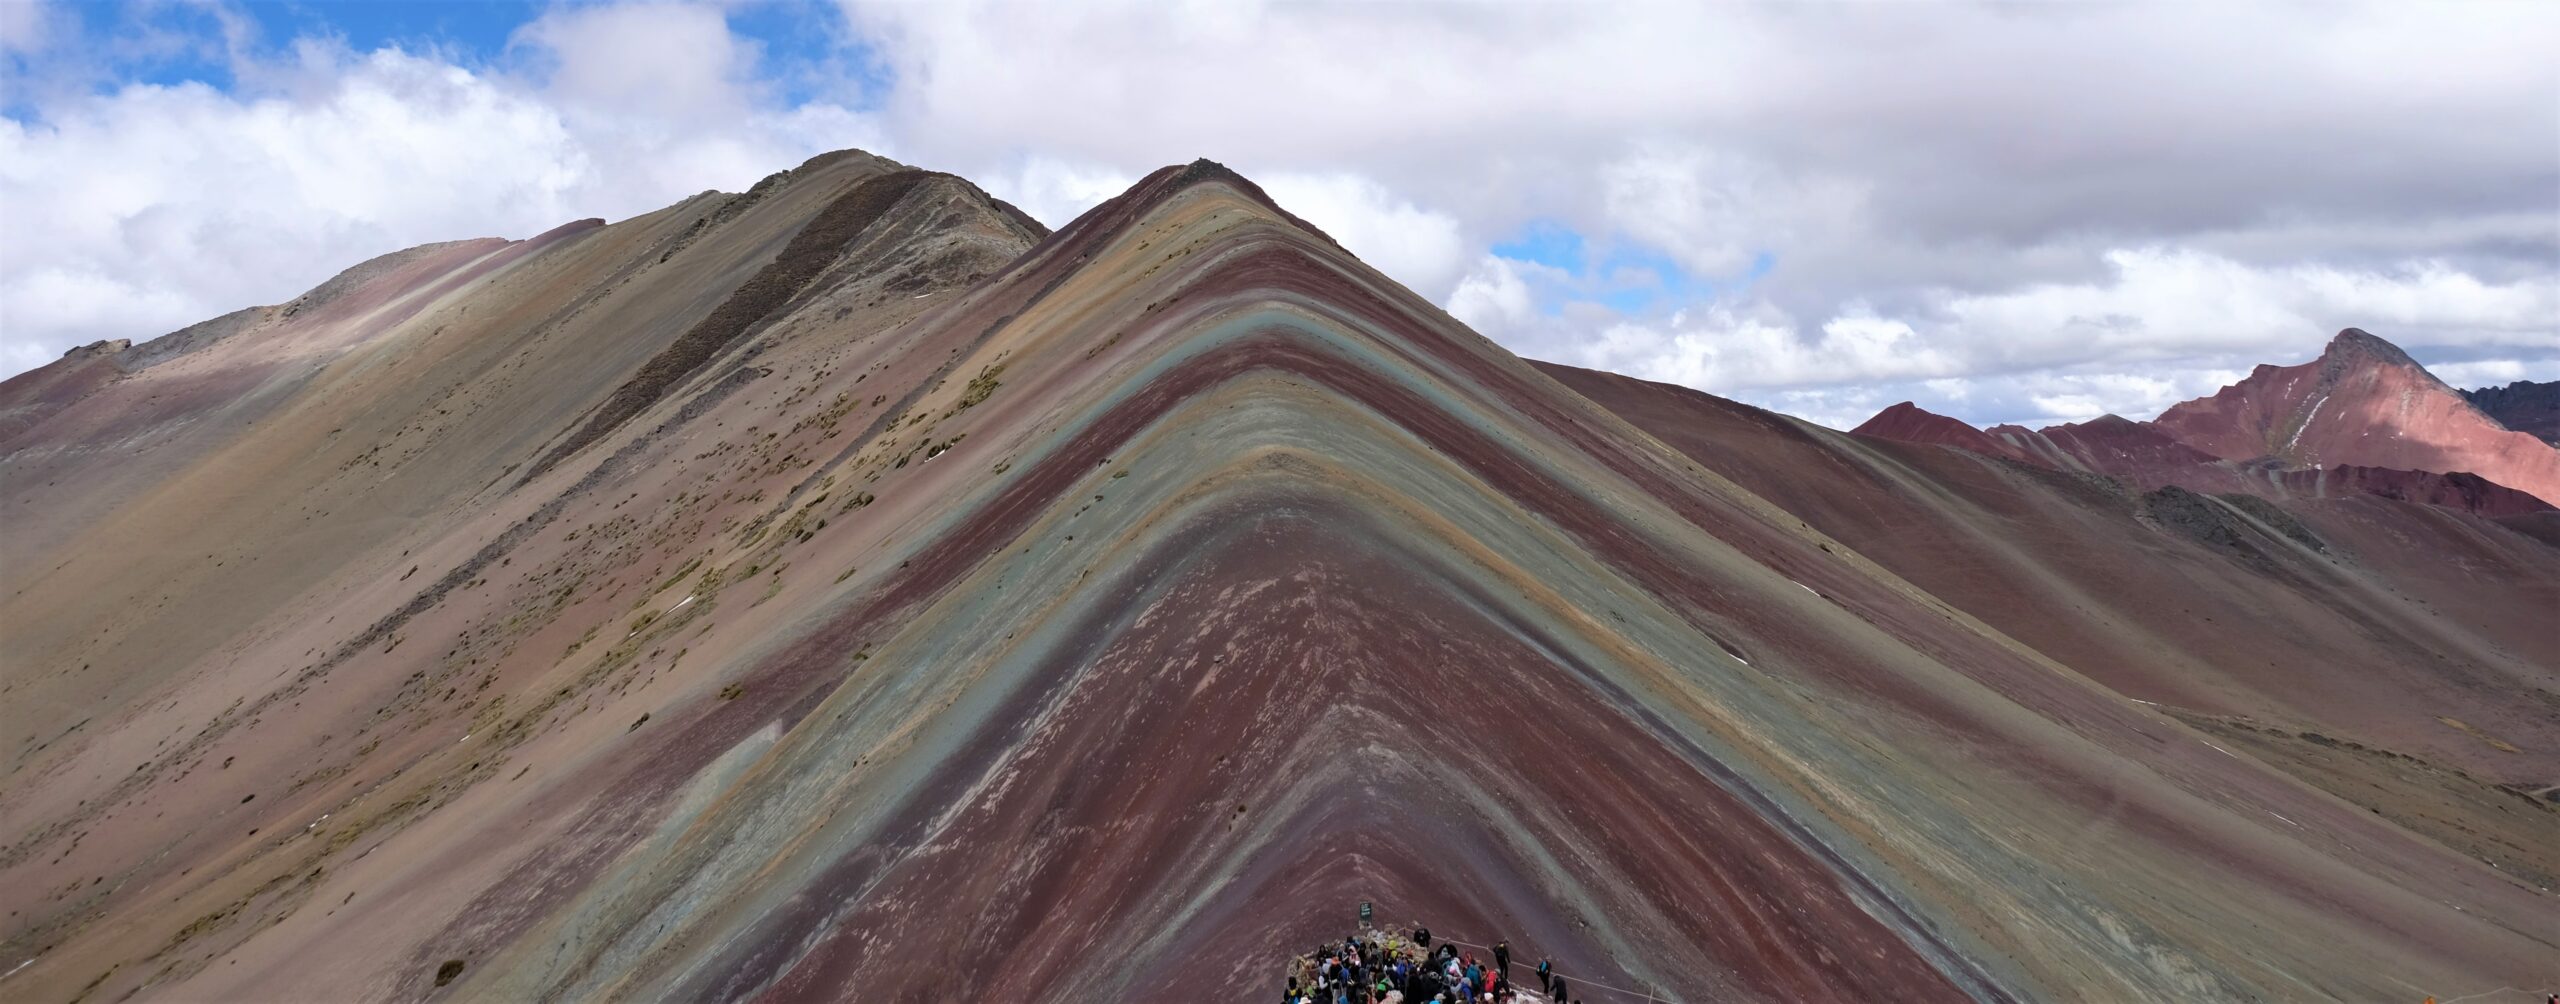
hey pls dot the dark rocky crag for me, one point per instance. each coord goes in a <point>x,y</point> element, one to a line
<point>2527,406</point>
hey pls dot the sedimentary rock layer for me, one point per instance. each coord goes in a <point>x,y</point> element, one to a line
<point>1105,614</point>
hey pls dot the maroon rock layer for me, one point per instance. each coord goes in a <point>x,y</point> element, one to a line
<point>848,589</point>
<point>1910,423</point>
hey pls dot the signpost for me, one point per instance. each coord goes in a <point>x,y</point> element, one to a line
<point>1364,913</point>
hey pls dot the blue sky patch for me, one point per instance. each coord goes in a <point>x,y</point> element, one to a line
<point>477,29</point>
<point>808,53</point>
<point>1624,276</point>
<point>1547,243</point>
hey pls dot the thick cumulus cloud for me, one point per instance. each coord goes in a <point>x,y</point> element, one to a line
<point>1419,247</point>
<point>140,208</point>
<point>2008,213</point>
<point>2163,326</point>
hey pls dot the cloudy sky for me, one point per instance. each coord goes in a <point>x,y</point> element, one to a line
<point>2017,212</point>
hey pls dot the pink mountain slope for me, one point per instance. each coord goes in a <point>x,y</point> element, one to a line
<point>2141,454</point>
<point>2362,402</point>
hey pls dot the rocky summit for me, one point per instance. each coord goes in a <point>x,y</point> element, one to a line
<point>849,589</point>
<point>2363,402</point>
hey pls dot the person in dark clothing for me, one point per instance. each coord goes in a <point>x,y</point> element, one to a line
<point>1502,958</point>
<point>1546,975</point>
<point>1422,938</point>
<point>1558,992</point>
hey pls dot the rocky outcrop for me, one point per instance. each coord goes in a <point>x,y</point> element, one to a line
<point>2527,406</point>
<point>856,236</point>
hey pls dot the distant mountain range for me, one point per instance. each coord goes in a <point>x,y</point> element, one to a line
<point>2361,417</point>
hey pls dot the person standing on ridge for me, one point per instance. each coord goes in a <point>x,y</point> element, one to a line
<point>1546,976</point>
<point>1502,958</point>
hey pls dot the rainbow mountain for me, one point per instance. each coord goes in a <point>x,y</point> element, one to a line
<point>849,588</point>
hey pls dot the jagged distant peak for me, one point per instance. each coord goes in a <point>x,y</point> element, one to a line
<point>2365,402</point>
<point>2360,340</point>
<point>2356,348</point>
<point>2515,387</point>
<point>2527,406</point>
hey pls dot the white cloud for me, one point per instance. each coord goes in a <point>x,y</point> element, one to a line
<point>2163,327</point>
<point>2162,303</point>
<point>669,64</point>
<point>1739,350</point>
<point>1949,192</point>
<point>2495,372</point>
<point>165,205</point>
<point>1493,298</point>
<point>1417,247</point>
<point>23,26</point>
<point>2033,399</point>
<point>2012,212</point>
<point>1054,191</point>
<point>1716,212</point>
<point>146,208</point>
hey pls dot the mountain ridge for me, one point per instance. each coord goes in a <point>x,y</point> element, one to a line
<point>801,676</point>
<point>2329,411</point>
<point>2452,454</point>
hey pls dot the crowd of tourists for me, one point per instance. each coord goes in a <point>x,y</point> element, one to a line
<point>1388,968</point>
